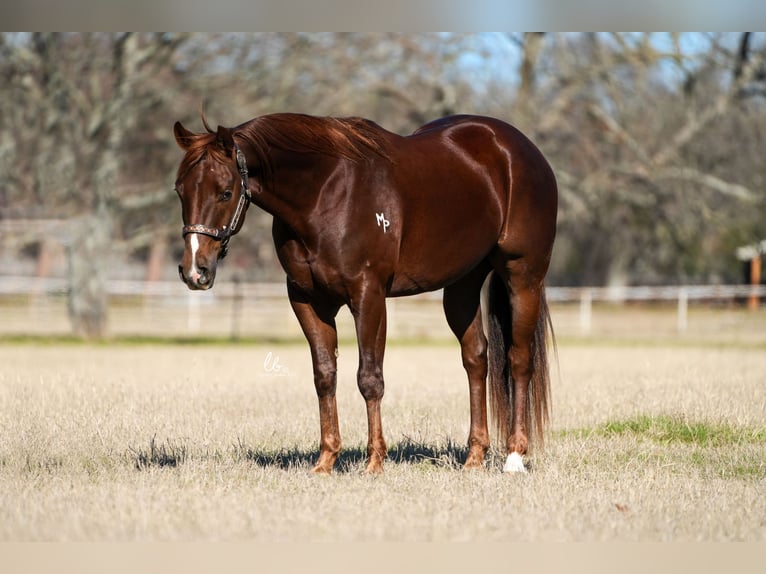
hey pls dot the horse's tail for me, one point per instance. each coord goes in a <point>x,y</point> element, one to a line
<point>501,392</point>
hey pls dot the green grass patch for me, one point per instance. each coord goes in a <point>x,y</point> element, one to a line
<point>201,340</point>
<point>668,429</point>
<point>146,340</point>
<point>673,429</point>
<point>400,342</point>
<point>711,449</point>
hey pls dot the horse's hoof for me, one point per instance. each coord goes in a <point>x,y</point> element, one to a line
<point>514,464</point>
<point>374,469</point>
<point>474,464</point>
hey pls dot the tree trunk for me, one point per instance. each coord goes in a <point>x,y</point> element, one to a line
<point>156,263</point>
<point>88,257</point>
<point>533,43</point>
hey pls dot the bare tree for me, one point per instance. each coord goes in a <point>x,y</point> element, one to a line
<point>76,98</point>
<point>655,139</point>
<point>628,120</point>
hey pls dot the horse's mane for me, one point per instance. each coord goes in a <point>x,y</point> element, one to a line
<point>352,138</point>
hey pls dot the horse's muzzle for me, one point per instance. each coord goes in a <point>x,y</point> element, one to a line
<point>198,278</point>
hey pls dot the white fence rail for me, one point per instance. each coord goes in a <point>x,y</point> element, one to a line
<point>682,294</point>
<point>234,308</point>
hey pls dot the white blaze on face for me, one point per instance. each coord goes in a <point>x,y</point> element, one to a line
<point>194,246</point>
<point>514,463</point>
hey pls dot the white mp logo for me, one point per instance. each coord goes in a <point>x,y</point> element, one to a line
<point>382,221</point>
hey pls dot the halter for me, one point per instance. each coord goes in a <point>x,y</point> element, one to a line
<point>223,234</point>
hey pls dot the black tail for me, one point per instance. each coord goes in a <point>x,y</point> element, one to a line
<point>501,393</point>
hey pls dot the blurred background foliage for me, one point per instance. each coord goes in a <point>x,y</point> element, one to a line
<point>656,139</point>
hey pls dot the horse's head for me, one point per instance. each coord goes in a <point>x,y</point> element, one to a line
<point>213,187</point>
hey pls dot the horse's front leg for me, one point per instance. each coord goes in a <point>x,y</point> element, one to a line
<point>318,323</point>
<point>369,310</point>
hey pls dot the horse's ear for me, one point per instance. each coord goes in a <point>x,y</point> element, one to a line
<point>183,136</point>
<point>224,139</point>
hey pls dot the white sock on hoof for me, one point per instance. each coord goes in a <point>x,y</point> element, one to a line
<point>514,463</point>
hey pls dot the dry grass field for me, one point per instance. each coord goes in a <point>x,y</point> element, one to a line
<point>214,442</point>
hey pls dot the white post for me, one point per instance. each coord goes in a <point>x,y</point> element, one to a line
<point>586,303</point>
<point>683,309</point>
<point>193,322</point>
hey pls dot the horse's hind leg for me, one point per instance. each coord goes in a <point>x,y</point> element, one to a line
<point>525,305</point>
<point>463,310</point>
<point>525,290</point>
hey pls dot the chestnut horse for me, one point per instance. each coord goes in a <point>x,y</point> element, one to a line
<point>361,214</point>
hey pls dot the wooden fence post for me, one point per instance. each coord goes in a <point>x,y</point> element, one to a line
<point>755,280</point>
<point>586,306</point>
<point>683,309</point>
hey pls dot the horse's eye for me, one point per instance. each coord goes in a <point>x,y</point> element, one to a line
<point>225,196</point>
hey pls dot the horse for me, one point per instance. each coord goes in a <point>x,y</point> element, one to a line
<point>361,214</point>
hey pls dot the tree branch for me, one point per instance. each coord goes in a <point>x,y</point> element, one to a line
<point>621,133</point>
<point>696,123</point>
<point>689,174</point>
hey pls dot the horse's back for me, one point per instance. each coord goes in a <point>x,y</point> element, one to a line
<point>482,159</point>
<point>498,145</point>
<point>524,180</point>
<point>455,179</point>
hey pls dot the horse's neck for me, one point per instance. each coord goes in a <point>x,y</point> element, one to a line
<point>290,191</point>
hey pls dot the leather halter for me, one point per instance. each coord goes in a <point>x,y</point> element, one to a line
<point>223,234</point>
